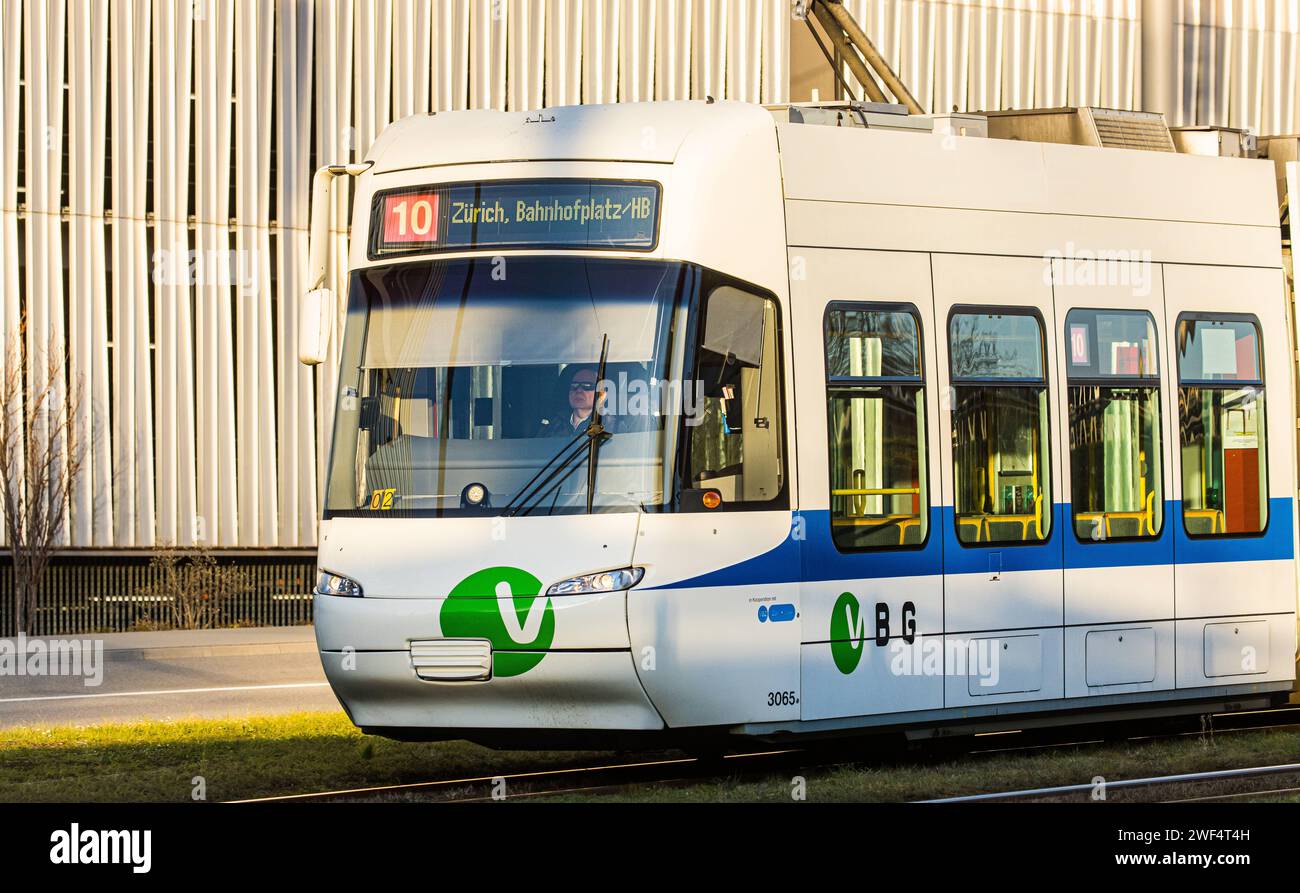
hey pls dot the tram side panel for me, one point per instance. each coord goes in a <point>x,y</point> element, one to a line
<point>872,592</point>
<point>1116,422</point>
<point>1234,521</point>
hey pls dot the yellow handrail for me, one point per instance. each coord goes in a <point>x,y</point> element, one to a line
<point>879,491</point>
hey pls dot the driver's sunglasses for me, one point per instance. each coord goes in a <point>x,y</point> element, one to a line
<point>582,386</point>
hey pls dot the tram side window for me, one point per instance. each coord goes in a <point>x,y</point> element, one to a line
<point>876,428</point>
<point>1221,420</point>
<point>734,418</point>
<point>1115,449</point>
<point>1001,444</point>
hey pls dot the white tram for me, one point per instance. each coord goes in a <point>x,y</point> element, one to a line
<point>706,417</point>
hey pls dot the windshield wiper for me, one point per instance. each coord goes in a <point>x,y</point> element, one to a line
<point>538,486</point>
<point>564,457</point>
<point>596,433</point>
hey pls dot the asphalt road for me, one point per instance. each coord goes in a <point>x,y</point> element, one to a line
<point>191,677</point>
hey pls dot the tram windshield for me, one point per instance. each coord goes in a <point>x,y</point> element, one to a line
<point>467,386</point>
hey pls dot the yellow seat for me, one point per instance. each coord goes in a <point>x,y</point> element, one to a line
<point>1023,520</point>
<point>904,522</point>
<point>1214,515</point>
<point>980,523</point>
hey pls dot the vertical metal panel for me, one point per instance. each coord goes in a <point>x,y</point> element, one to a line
<point>563,62</point>
<point>1239,64</point>
<point>174,348</point>
<point>776,51</point>
<point>214,41</point>
<point>744,50</point>
<point>451,55</point>
<point>373,33</point>
<point>296,441</point>
<point>133,467</point>
<point>335,142</point>
<point>44,36</point>
<point>636,49</point>
<point>11,15</point>
<point>254,355</point>
<point>488,23</point>
<point>600,51</point>
<point>673,26</point>
<point>709,49</point>
<point>92,496</point>
<point>527,46</point>
<point>412,32</point>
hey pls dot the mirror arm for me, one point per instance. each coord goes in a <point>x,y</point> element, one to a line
<point>322,187</point>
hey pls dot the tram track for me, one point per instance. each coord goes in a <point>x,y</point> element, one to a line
<point>1174,786</point>
<point>623,775</point>
<point>1221,724</point>
<point>534,783</point>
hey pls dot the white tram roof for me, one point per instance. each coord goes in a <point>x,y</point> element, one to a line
<point>939,177</point>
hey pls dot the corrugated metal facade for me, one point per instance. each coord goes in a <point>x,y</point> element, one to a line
<point>1237,59</point>
<point>155,163</point>
<point>1000,54</point>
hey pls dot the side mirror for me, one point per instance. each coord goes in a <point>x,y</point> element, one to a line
<point>317,308</point>
<point>315,326</point>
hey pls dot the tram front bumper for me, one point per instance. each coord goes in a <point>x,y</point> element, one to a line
<point>372,650</point>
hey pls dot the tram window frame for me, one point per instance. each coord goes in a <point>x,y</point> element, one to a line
<point>1042,382</point>
<point>711,283</point>
<point>1260,385</point>
<point>1114,381</point>
<point>840,384</point>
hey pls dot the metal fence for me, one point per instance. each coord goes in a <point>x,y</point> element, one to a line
<point>86,593</point>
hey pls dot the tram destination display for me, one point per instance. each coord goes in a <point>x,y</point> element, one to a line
<point>569,213</point>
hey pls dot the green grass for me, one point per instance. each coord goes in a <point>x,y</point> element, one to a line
<point>237,758</point>
<point>298,753</point>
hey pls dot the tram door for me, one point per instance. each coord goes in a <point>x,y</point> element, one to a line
<point>871,595</point>
<point>1118,402</point>
<point>714,628</point>
<point>1002,525</point>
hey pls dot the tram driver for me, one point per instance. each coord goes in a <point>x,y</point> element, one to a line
<point>582,401</point>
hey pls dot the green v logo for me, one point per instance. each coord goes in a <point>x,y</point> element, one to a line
<point>848,633</point>
<point>504,605</point>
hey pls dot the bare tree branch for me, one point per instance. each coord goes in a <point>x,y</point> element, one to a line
<point>41,457</point>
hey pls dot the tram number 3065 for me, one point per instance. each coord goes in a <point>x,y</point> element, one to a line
<point>782,698</point>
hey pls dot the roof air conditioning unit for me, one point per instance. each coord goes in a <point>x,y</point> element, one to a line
<point>1101,128</point>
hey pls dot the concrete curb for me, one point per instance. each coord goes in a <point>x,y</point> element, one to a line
<point>193,644</point>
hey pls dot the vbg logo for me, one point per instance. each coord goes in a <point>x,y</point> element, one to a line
<point>849,630</point>
<point>505,606</point>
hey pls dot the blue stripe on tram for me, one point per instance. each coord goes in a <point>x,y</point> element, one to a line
<point>816,558</point>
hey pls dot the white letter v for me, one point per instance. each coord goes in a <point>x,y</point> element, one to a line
<point>526,634</point>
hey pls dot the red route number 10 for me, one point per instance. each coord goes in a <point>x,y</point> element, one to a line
<point>411,218</point>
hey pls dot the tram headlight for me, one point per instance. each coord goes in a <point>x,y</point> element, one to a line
<point>330,583</point>
<point>474,496</point>
<point>605,581</point>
